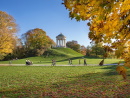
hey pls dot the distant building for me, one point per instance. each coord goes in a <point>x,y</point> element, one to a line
<point>60,40</point>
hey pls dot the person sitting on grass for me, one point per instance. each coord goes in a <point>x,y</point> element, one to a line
<point>101,63</point>
<point>28,62</point>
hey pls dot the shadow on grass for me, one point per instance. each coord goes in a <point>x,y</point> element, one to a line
<point>112,67</point>
<point>90,85</point>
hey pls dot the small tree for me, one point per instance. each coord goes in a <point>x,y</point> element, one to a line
<point>83,50</point>
<point>97,50</point>
<point>73,46</point>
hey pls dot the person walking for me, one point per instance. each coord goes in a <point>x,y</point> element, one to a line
<point>85,63</point>
<point>53,62</point>
<point>79,61</point>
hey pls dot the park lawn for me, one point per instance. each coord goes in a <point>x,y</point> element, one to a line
<point>61,81</point>
<point>62,60</point>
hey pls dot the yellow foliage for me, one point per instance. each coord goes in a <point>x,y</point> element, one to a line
<point>108,19</point>
<point>8,28</point>
<point>121,68</point>
<point>122,71</point>
<point>127,64</point>
<point>37,39</point>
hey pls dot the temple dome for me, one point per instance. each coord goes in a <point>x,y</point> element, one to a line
<point>60,36</point>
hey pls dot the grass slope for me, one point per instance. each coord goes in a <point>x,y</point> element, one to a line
<point>61,55</point>
<point>62,82</point>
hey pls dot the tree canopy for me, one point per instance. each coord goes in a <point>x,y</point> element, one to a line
<point>8,29</point>
<point>109,22</point>
<point>73,46</point>
<point>37,39</point>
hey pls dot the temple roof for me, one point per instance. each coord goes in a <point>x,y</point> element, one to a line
<point>60,35</point>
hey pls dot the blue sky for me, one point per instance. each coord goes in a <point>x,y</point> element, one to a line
<point>49,15</point>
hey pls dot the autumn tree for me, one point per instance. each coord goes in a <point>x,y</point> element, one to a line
<point>37,40</point>
<point>83,50</point>
<point>88,50</point>
<point>97,50</point>
<point>19,51</point>
<point>73,45</point>
<point>8,29</point>
<point>108,20</point>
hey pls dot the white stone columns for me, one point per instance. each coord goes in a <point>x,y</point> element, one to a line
<point>60,43</point>
<point>61,40</point>
<point>64,43</point>
<point>56,42</point>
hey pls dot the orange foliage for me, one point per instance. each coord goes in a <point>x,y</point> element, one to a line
<point>122,71</point>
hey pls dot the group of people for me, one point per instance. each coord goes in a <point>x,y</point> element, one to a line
<point>70,62</point>
<point>28,62</point>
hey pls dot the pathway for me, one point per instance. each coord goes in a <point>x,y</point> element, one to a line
<point>55,65</point>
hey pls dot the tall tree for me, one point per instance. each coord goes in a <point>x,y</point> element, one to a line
<point>37,39</point>
<point>108,20</point>
<point>8,29</point>
<point>98,50</point>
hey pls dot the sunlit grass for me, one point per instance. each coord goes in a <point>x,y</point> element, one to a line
<point>55,81</point>
<point>62,56</point>
<point>62,61</point>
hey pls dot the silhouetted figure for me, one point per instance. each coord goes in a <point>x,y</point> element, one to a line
<point>79,61</point>
<point>85,63</point>
<point>53,62</point>
<point>70,62</point>
<point>101,63</point>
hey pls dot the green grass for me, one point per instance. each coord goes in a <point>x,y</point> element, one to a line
<point>61,55</point>
<point>61,61</point>
<point>62,82</point>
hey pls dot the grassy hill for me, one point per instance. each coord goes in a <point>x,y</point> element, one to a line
<point>62,52</point>
<point>61,55</point>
